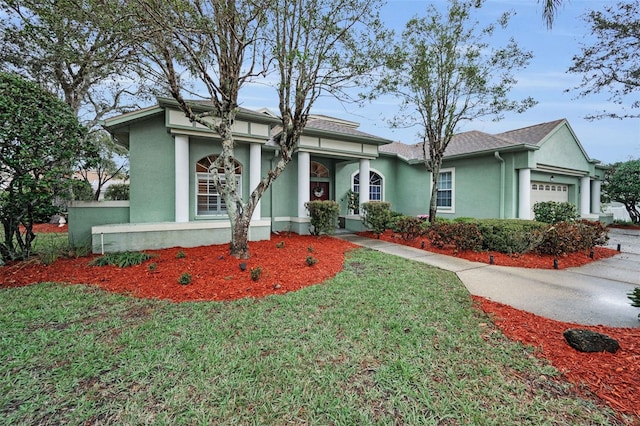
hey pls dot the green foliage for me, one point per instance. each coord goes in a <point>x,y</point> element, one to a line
<point>280,244</point>
<point>554,212</point>
<point>311,260</point>
<point>185,278</point>
<point>353,201</point>
<point>409,227</point>
<point>445,72</point>
<point>510,236</point>
<point>121,259</point>
<point>376,216</point>
<point>570,237</point>
<point>462,235</point>
<point>81,190</point>
<point>622,184</point>
<point>634,296</point>
<point>117,192</point>
<point>180,255</point>
<point>256,273</point>
<point>40,139</point>
<point>324,216</point>
<point>609,61</point>
<point>153,267</point>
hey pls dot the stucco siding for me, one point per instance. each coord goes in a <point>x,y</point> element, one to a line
<point>477,187</point>
<point>152,188</point>
<point>562,149</point>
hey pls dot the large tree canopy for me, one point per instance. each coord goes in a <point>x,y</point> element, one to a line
<point>622,184</point>
<point>445,73</point>
<point>611,64</point>
<point>40,139</point>
<point>305,48</point>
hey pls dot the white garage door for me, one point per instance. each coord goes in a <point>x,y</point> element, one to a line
<point>541,191</point>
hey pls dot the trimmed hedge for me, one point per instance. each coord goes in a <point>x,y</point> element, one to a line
<point>324,216</point>
<point>510,236</point>
<point>462,235</point>
<point>554,212</point>
<point>409,227</point>
<point>569,237</point>
<point>376,215</point>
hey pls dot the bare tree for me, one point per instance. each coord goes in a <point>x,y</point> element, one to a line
<point>312,46</point>
<point>445,73</point>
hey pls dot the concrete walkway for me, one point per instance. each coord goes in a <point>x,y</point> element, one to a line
<point>590,295</point>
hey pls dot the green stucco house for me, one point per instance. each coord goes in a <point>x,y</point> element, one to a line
<point>173,203</point>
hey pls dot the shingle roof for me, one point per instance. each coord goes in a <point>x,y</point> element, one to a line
<point>532,135</point>
<point>475,141</point>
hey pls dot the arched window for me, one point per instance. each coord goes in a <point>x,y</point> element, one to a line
<point>318,170</point>
<point>375,185</point>
<point>209,202</point>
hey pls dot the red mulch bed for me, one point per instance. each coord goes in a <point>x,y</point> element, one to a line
<point>526,260</point>
<point>214,274</point>
<point>615,378</point>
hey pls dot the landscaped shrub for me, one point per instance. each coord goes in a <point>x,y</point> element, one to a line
<point>569,237</point>
<point>256,273</point>
<point>409,227</point>
<point>185,279</point>
<point>121,259</point>
<point>324,216</point>
<point>464,236</point>
<point>376,216</point>
<point>511,236</point>
<point>311,260</point>
<point>554,212</point>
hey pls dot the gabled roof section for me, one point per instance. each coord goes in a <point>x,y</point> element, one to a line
<point>475,142</point>
<point>532,135</point>
<point>472,142</point>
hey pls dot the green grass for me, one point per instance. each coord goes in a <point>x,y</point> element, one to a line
<point>387,341</point>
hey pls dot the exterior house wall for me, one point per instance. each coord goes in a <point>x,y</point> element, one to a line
<point>151,157</point>
<point>561,148</point>
<point>86,214</point>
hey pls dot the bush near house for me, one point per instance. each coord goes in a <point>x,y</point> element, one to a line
<point>323,216</point>
<point>554,212</point>
<point>376,215</point>
<point>518,236</point>
<point>409,227</point>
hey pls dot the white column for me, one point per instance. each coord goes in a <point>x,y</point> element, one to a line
<point>585,195</point>
<point>304,164</point>
<point>181,178</point>
<point>524,194</point>
<point>365,168</point>
<point>255,159</point>
<point>595,196</point>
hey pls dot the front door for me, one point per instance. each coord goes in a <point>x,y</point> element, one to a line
<point>319,191</point>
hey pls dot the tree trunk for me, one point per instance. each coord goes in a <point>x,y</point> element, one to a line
<point>433,201</point>
<point>239,246</point>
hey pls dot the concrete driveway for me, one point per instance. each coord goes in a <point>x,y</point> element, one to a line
<point>590,295</point>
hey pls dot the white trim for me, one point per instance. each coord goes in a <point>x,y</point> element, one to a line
<point>255,159</point>
<point>524,194</point>
<point>376,171</point>
<point>364,187</point>
<point>304,182</point>
<point>99,204</point>
<point>451,209</point>
<point>168,226</point>
<point>292,219</point>
<point>181,143</point>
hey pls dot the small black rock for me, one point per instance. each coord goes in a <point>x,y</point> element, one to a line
<point>590,341</point>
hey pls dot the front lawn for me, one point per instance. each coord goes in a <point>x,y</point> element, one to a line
<point>387,341</point>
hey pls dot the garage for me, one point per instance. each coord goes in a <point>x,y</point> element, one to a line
<point>547,191</point>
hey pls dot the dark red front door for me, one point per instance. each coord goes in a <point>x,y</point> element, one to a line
<point>319,191</point>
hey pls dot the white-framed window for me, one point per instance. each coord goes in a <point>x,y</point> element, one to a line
<point>208,201</point>
<point>376,182</point>
<point>445,200</point>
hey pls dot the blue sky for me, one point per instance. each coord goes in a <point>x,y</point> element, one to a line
<point>545,79</point>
